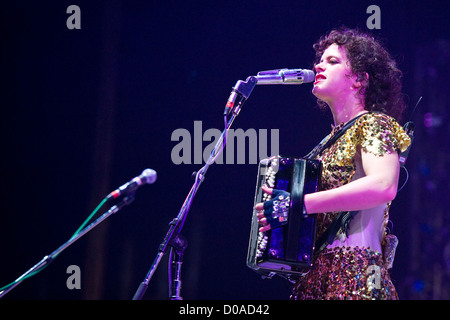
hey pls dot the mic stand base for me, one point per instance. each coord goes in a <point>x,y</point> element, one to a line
<point>179,245</point>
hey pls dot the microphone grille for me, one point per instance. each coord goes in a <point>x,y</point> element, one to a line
<point>308,75</point>
<point>149,176</point>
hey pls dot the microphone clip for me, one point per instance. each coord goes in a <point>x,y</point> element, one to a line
<point>241,90</point>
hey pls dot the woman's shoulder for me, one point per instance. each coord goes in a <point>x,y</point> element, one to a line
<point>380,133</point>
<point>377,119</point>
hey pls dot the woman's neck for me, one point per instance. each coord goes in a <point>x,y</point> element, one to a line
<point>344,111</point>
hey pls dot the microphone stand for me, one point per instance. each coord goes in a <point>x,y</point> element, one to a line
<point>49,258</point>
<point>179,245</point>
<point>241,91</point>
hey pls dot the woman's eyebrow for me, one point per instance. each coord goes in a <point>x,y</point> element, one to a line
<point>330,57</point>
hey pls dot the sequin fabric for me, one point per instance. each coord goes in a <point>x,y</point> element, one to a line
<point>345,273</point>
<point>376,133</point>
<point>352,272</point>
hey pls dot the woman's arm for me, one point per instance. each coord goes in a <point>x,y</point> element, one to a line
<point>378,186</point>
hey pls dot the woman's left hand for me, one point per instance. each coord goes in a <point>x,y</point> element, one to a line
<point>273,213</point>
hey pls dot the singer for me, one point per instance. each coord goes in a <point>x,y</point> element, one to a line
<point>355,78</point>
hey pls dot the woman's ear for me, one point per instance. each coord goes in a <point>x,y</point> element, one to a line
<point>362,80</point>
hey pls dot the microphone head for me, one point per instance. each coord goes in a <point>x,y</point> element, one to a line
<point>308,76</point>
<point>148,176</point>
<point>297,76</point>
<point>285,76</point>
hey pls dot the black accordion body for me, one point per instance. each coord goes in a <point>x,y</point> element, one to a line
<point>288,250</point>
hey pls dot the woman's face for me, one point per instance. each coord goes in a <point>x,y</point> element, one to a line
<point>334,80</point>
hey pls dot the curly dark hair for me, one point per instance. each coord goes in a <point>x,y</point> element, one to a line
<point>382,92</point>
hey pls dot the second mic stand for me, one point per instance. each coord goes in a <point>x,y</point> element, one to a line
<point>49,258</point>
<point>240,92</point>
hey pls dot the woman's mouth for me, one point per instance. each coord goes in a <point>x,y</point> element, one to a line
<point>319,77</point>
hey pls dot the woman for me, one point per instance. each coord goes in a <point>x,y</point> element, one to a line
<point>355,78</point>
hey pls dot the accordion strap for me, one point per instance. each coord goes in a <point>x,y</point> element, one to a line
<point>343,219</point>
<point>341,222</point>
<point>326,143</point>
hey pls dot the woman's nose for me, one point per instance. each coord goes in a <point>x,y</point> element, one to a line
<point>319,67</point>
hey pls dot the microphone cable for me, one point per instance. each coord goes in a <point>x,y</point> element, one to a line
<point>45,265</point>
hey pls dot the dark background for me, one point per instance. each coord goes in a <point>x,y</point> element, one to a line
<point>84,111</point>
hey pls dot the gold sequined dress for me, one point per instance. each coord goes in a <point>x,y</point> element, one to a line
<point>353,267</point>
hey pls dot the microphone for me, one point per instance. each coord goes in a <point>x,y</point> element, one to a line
<point>147,176</point>
<point>409,129</point>
<point>285,76</point>
<point>278,76</point>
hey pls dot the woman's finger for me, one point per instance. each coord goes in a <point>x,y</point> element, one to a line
<point>259,206</point>
<point>267,189</point>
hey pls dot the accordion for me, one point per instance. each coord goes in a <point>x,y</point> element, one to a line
<point>288,250</point>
